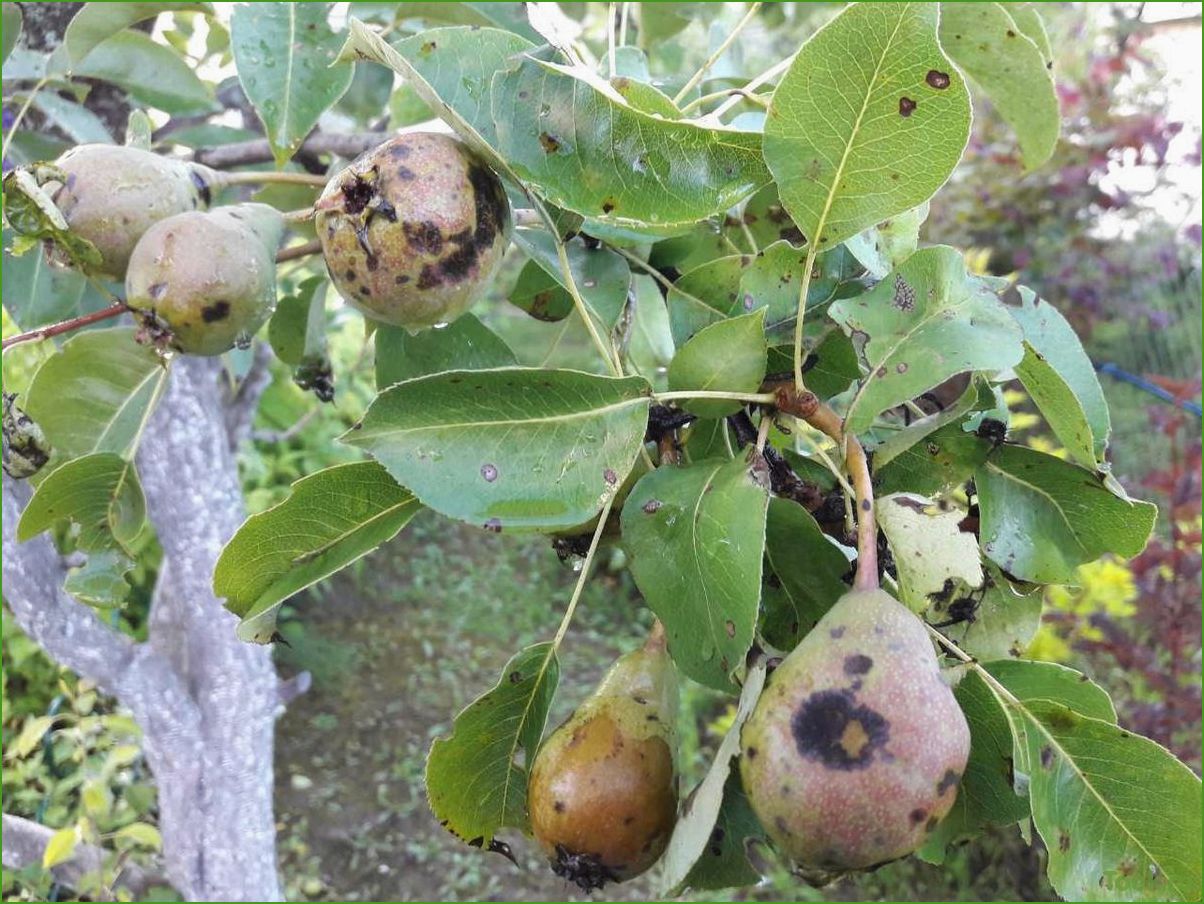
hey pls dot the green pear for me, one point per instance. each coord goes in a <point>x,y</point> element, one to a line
<point>414,230</point>
<point>603,788</point>
<point>112,194</point>
<point>857,745</point>
<point>204,282</point>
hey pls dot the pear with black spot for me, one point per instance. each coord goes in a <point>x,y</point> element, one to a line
<point>112,194</point>
<point>856,748</point>
<point>413,231</point>
<point>603,788</point>
<point>203,282</point>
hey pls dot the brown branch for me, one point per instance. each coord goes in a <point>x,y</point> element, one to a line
<point>259,151</point>
<point>65,326</point>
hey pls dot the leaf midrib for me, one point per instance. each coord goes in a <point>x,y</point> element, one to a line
<point>832,191</point>
<point>505,422</point>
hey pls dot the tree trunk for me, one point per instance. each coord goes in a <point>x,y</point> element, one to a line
<point>205,700</point>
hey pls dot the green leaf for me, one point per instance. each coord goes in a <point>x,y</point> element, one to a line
<point>79,123</point>
<point>706,295</point>
<point>96,22</point>
<point>509,448</point>
<point>725,863</point>
<point>284,54</point>
<point>883,247</point>
<point>101,581</point>
<point>928,323</point>
<point>297,330</point>
<point>695,536</point>
<point>691,847</point>
<point>139,834</point>
<point>368,95</point>
<point>728,356</point>
<point>1042,517</point>
<point>474,783</point>
<point>869,120</point>
<point>1032,680</point>
<point>11,29</point>
<point>1002,624</point>
<point>988,46</point>
<point>928,546</point>
<point>99,492</point>
<point>464,344</point>
<point>602,277</point>
<point>987,794</point>
<point>1120,816</point>
<point>945,458</point>
<point>585,151</point>
<point>36,293</point>
<point>138,130</point>
<point>330,518</point>
<point>507,16</point>
<point>1028,22</point>
<point>151,73</point>
<point>1061,379</point>
<point>650,348</point>
<point>774,278</point>
<point>30,212</point>
<point>809,570</point>
<point>30,737</point>
<point>60,848</point>
<point>451,70</point>
<point>96,394</point>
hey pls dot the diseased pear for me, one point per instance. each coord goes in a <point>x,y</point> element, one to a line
<point>413,230</point>
<point>856,748</point>
<point>205,282</point>
<point>112,194</point>
<point>603,788</point>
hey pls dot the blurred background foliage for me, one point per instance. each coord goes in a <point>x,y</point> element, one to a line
<point>1109,231</point>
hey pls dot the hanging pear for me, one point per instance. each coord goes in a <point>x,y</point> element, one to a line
<point>414,230</point>
<point>112,194</point>
<point>603,788</point>
<point>204,282</point>
<point>856,748</point>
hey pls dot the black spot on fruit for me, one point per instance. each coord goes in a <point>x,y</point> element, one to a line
<point>917,816</point>
<point>219,310</point>
<point>357,193</point>
<point>857,664</point>
<point>948,781</point>
<point>829,727</point>
<point>424,237</point>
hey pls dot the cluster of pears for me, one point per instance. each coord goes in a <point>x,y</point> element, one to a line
<point>853,754</point>
<point>411,232</point>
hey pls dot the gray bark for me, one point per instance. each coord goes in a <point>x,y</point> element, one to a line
<point>205,700</point>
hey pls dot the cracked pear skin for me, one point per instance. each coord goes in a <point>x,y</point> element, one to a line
<point>414,230</point>
<point>856,747</point>
<point>206,281</point>
<point>111,195</point>
<point>603,790</point>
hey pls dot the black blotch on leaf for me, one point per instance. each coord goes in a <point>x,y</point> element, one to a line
<point>1047,757</point>
<point>549,142</point>
<point>937,79</point>
<point>1063,842</point>
<point>907,106</point>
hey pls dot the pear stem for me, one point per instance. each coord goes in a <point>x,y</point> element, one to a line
<point>656,638</point>
<point>807,406</point>
<point>66,326</point>
<point>256,177</point>
<point>295,251</point>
